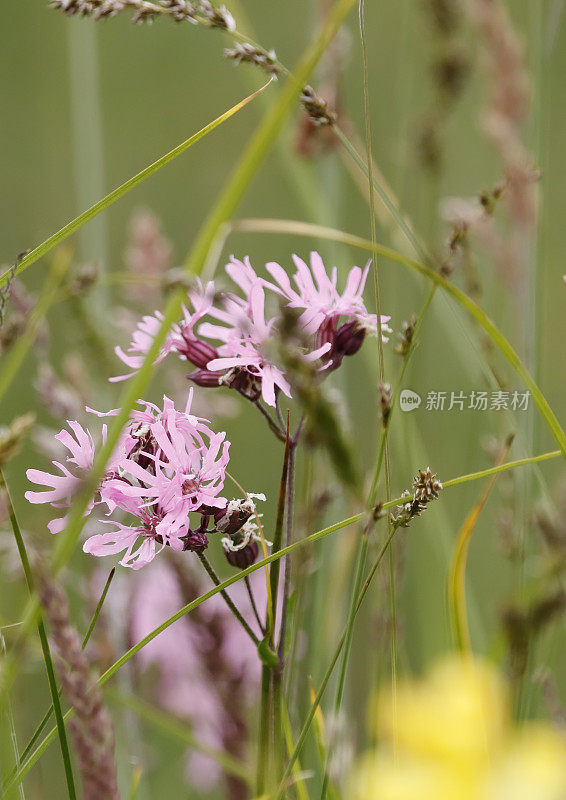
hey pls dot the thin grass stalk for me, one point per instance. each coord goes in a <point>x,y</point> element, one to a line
<point>77,223</point>
<point>299,784</point>
<point>461,479</point>
<point>227,599</point>
<point>264,754</point>
<point>327,675</point>
<point>457,569</point>
<point>11,724</point>
<point>395,395</point>
<point>135,783</point>
<point>290,504</point>
<point>275,681</point>
<point>47,716</point>
<point>371,182</point>
<point>407,231</point>
<point>52,681</point>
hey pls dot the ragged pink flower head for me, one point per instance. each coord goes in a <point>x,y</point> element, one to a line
<point>166,476</point>
<point>180,339</point>
<point>245,359</point>
<point>318,295</point>
<point>63,487</point>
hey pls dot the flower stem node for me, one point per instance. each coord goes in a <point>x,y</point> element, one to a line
<point>267,655</point>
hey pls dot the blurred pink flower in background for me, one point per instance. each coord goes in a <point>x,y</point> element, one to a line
<point>207,668</point>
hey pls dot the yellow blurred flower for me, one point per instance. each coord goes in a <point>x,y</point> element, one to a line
<point>451,737</point>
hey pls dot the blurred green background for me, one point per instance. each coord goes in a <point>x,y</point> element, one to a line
<point>85,106</point>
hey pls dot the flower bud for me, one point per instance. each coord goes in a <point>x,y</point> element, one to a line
<point>196,541</point>
<point>244,557</point>
<point>206,377</point>
<point>349,338</point>
<point>197,352</point>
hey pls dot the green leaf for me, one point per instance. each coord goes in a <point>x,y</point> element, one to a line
<point>61,732</point>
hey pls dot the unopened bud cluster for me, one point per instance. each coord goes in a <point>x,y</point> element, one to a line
<point>426,488</point>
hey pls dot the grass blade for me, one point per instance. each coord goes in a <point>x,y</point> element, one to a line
<point>457,571</point>
<point>47,716</point>
<point>61,732</point>
<point>120,191</point>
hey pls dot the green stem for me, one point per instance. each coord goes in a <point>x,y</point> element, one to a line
<point>263,753</point>
<point>227,599</point>
<point>327,675</point>
<point>308,540</point>
<point>61,732</point>
<point>277,671</point>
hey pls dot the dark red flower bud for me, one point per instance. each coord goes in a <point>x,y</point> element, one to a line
<point>243,558</point>
<point>348,339</point>
<point>243,381</point>
<point>206,377</point>
<point>197,541</point>
<point>326,333</point>
<point>198,352</point>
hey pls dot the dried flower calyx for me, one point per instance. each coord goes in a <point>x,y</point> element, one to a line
<point>426,487</point>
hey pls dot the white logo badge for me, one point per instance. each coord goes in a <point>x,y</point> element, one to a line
<point>409,400</point>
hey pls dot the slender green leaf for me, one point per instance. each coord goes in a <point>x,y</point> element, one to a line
<point>61,732</point>
<point>457,572</point>
<point>47,716</point>
<point>73,226</point>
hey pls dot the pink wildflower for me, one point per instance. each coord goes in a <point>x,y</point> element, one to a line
<point>63,487</point>
<point>245,358</point>
<point>168,465</point>
<point>180,339</point>
<point>318,295</point>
